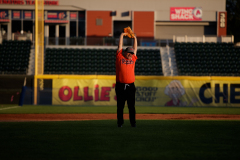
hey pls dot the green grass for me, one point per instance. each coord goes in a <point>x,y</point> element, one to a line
<point>96,140</point>
<point>112,109</point>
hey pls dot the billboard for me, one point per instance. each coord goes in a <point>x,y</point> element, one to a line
<point>16,15</point>
<point>28,15</point>
<point>222,24</point>
<point>4,16</point>
<point>73,16</point>
<point>186,14</point>
<point>149,92</point>
<point>56,17</point>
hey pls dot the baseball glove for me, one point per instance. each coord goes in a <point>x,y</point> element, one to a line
<point>129,32</point>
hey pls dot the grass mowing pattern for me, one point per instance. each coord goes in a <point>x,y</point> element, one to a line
<point>27,109</point>
<point>151,139</point>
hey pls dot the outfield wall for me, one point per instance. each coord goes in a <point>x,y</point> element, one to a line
<point>99,90</point>
<point>11,87</point>
<point>150,90</point>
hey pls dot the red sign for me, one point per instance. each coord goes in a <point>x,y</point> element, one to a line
<point>222,24</point>
<point>27,15</point>
<point>28,2</point>
<point>4,20</point>
<point>57,15</point>
<point>185,13</point>
<point>56,21</point>
<point>12,2</point>
<point>61,15</point>
<point>73,15</point>
<point>52,15</point>
<point>3,14</point>
<point>16,14</point>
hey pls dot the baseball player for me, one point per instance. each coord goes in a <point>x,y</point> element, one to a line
<point>125,77</point>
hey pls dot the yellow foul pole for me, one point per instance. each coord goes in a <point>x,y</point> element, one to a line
<point>39,44</point>
<point>36,52</point>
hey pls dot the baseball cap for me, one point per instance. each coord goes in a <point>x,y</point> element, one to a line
<point>129,50</point>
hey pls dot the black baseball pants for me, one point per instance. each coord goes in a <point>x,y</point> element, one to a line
<point>125,92</point>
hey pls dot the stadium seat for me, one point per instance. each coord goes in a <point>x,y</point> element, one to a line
<point>219,59</point>
<point>14,56</point>
<point>98,61</point>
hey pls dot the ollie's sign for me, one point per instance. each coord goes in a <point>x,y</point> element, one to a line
<point>185,13</point>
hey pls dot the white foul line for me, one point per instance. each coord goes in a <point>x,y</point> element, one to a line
<point>9,107</point>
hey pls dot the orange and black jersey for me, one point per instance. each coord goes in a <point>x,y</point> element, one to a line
<point>125,68</point>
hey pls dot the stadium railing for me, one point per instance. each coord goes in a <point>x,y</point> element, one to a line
<point>106,41</point>
<point>204,38</point>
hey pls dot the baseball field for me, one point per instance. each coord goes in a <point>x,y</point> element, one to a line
<point>91,132</point>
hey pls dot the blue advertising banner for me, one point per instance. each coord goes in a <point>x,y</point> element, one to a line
<point>73,15</point>
<point>16,15</point>
<point>57,15</point>
<point>27,14</point>
<point>4,16</point>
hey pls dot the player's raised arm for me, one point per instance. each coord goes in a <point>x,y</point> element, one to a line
<point>120,44</point>
<point>135,45</point>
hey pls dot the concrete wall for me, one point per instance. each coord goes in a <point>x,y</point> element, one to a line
<point>99,30</point>
<point>143,24</point>
<point>167,32</point>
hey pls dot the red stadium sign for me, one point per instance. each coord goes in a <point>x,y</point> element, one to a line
<point>28,2</point>
<point>222,24</point>
<point>73,15</point>
<point>3,14</point>
<point>186,14</point>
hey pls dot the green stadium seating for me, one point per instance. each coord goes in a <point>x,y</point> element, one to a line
<point>14,57</point>
<point>98,61</point>
<point>207,59</point>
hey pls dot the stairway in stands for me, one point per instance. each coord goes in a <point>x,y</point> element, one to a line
<point>31,65</point>
<point>169,65</point>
